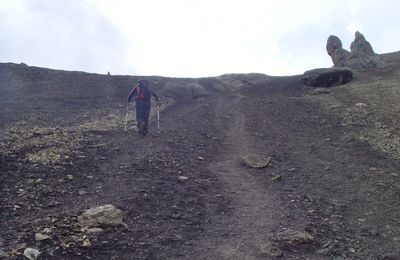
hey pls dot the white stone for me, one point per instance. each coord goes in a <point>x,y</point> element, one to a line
<point>182,178</point>
<point>361,105</point>
<point>31,253</point>
<point>41,237</point>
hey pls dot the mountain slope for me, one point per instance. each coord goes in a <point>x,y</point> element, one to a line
<point>328,193</point>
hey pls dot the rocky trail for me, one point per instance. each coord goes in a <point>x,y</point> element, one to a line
<point>185,192</point>
<point>237,235</point>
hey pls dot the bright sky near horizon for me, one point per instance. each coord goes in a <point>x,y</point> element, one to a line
<point>190,38</point>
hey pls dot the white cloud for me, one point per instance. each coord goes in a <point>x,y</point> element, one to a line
<point>354,25</point>
<point>69,36</point>
<point>189,37</point>
<point>378,21</point>
<point>208,37</point>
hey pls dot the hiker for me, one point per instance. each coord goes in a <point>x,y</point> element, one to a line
<point>142,93</point>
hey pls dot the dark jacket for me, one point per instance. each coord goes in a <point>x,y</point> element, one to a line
<point>135,92</point>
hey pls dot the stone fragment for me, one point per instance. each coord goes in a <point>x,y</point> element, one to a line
<point>86,243</point>
<point>294,237</point>
<point>47,231</point>
<point>361,105</point>
<point>31,253</point>
<point>277,178</point>
<point>182,179</point>
<point>40,237</point>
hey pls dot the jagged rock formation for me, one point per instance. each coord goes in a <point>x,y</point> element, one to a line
<point>360,47</point>
<point>336,51</point>
<point>362,56</point>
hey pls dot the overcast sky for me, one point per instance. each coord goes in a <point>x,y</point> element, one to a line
<point>190,38</point>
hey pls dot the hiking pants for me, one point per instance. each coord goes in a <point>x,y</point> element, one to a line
<point>142,112</point>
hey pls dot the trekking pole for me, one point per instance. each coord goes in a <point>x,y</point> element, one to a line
<point>126,117</point>
<point>158,116</point>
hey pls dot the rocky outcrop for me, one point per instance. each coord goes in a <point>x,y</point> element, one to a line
<point>325,78</point>
<point>360,47</point>
<point>336,51</point>
<point>362,56</point>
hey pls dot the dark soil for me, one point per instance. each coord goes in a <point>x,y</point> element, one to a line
<point>339,190</point>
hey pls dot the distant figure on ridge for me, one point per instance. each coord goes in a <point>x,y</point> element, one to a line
<point>142,93</point>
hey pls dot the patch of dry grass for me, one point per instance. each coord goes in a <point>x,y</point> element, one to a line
<point>372,102</point>
<point>55,146</point>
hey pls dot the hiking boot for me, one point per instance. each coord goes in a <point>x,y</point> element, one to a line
<point>142,129</point>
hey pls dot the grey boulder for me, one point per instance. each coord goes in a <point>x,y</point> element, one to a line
<point>106,215</point>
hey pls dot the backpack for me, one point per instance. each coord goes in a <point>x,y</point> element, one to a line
<point>143,90</point>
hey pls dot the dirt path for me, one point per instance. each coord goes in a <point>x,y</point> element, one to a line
<point>248,228</point>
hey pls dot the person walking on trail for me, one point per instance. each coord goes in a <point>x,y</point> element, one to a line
<point>142,94</point>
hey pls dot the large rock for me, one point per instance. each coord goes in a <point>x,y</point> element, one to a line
<point>362,56</point>
<point>256,161</point>
<point>326,78</point>
<point>335,49</point>
<point>360,47</point>
<point>106,215</point>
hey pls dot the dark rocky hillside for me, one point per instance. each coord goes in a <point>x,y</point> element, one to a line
<point>244,166</point>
